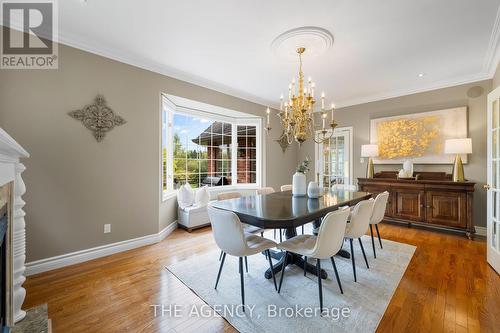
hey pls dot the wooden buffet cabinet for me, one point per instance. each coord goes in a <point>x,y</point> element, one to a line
<point>429,199</point>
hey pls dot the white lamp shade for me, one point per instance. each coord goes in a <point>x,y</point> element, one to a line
<point>458,146</point>
<point>369,150</point>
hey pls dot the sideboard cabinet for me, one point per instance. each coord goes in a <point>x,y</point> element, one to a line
<point>429,198</point>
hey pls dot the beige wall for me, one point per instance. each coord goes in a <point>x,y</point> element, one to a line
<point>76,185</point>
<point>359,118</point>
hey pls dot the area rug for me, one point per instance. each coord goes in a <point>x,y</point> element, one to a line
<point>296,308</point>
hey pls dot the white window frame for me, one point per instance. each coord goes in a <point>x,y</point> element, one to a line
<point>173,104</point>
<point>318,156</point>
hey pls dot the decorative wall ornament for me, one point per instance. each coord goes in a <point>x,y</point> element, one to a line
<point>418,136</point>
<point>283,142</point>
<point>98,117</point>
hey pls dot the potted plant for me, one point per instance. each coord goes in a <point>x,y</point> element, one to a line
<point>299,182</point>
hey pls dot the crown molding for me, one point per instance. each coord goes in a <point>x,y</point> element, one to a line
<point>493,52</point>
<point>489,67</point>
<point>406,92</point>
<point>152,66</point>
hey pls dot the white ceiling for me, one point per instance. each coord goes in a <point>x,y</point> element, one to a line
<point>380,46</point>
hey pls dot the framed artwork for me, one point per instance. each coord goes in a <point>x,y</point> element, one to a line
<point>419,137</point>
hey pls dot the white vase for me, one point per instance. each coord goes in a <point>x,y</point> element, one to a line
<point>299,188</point>
<point>313,190</point>
<point>408,168</point>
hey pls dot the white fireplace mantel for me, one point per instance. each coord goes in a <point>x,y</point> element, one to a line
<point>10,171</point>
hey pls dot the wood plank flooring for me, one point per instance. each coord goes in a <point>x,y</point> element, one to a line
<point>448,287</point>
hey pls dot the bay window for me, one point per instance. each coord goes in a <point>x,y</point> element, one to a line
<point>206,145</point>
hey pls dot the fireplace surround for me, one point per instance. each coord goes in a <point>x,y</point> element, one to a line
<point>12,189</point>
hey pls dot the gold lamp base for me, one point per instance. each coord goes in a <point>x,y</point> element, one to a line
<point>369,169</point>
<point>458,170</point>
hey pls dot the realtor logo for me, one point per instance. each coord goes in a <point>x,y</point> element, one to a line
<point>29,34</point>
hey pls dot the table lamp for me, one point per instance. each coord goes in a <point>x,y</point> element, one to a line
<point>369,151</point>
<point>457,147</point>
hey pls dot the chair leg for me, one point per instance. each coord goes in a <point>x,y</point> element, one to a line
<point>363,250</point>
<point>305,264</point>
<point>268,255</point>
<point>282,271</point>
<point>353,262</point>
<point>274,234</point>
<point>378,234</point>
<point>281,236</point>
<point>373,241</point>
<point>337,275</point>
<point>302,229</point>
<point>220,269</point>
<point>242,284</point>
<point>320,287</point>
<point>246,264</point>
<point>262,234</point>
<point>220,256</point>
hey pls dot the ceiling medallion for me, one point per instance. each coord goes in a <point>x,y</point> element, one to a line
<point>315,39</point>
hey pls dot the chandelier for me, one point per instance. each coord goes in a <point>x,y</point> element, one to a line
<point>297,112</point>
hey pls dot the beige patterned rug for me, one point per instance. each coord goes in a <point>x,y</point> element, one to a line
<point>295,309</point>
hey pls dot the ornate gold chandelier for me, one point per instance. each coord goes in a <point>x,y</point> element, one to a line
<point>297,112</point>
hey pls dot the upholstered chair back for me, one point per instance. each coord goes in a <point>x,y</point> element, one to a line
<point>265,190</point>
<point>286,188</point>
<point>331,234</point>
<point>379,207</point>
<point>228,231</point>
<point>360,219</point>
<point>228,195</point>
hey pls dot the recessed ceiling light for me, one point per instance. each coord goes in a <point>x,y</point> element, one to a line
<point>421,75</point>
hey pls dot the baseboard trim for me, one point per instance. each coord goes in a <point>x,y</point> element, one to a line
<point>48,264</point>
<point>481,231</point>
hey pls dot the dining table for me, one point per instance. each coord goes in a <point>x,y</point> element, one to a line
<point>283,210</point>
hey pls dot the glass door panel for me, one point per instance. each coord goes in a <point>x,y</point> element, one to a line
<point>493,185</point>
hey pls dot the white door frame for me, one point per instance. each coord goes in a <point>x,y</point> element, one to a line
<point>493,185</point>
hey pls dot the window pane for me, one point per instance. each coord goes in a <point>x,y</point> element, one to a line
<point>247,154</point>
<point>203,166</point>
<point>179,166</point>
<point>193,166</point>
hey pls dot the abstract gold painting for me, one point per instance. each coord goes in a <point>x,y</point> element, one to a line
<point>419,136</point>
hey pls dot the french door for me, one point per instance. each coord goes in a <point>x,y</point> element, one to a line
<point>334,158</point>
<point>493,185</point>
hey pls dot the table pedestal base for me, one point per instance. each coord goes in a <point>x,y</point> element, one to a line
<point>291,259</point>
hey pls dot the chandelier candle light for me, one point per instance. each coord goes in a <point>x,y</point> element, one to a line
<point>297,112</point>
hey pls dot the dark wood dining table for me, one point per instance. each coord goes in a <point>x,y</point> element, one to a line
<point>282,210</point>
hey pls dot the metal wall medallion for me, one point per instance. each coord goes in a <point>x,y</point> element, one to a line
<point>98,117</point>
<point>283,142</point>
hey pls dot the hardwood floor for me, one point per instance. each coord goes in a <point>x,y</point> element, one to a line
<point>448,287</point>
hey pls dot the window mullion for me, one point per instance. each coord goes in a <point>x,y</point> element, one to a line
<point>234,154</point>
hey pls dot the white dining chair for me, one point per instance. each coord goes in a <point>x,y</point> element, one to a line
<point>377,216</point>
<point>247,228</point>
<point>231,239</point>
<point>344,187</point>
<point>264,190</point>
<point>286,187</point>
<point>357,226</point>
<point>324,246</point>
